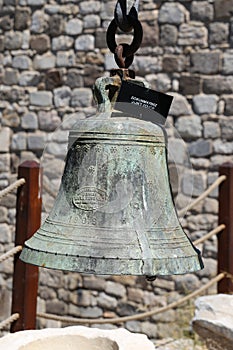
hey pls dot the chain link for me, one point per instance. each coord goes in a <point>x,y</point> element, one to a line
<point>124,53</point>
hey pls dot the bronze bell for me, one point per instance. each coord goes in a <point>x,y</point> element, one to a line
<point>114,212</point>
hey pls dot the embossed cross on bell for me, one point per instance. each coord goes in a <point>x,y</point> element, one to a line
<point>114,212</point>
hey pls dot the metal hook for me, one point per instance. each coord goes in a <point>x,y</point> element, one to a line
<point>123,10</point>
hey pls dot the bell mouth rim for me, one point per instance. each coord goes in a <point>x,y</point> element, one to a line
<point>104,266</point>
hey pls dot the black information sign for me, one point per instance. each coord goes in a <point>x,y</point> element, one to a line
<point>143,103</point>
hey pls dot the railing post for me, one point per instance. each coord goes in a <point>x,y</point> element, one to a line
<point>25,277</point>
<point>225,238</point>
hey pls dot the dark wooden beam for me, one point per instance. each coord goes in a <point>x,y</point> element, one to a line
<point>225,238</point>
<point>28,217</point>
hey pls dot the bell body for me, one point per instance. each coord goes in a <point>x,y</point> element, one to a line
<point>114,212</point>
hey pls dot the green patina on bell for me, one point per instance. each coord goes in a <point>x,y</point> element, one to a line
<point>114,213</point>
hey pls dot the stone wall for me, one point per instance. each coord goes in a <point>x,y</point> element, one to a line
<point>50,55</point>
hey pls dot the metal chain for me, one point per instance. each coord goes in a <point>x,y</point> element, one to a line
<point>123,10</point>
<point>126,18</point>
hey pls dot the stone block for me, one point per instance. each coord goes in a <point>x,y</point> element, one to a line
<point>62,43</point>
<point>226,125</point>
<point>228,105</point>
<point>74,26</point>
<point>200,148</point>
<point>45,61</point>
<point>106,302</point>
<point>142,64</point>
<point>223,9</point>
<point>192,33</point>
<point>57,149</point>
<point>26,39</point>
<point>35,3</point>
<point>150,35</point>
<point>87,7</point>
<point>231,34</point>
<point>107,9</point>
<point>4,163</point>
<point>13,40</point>
<point>161,82</point>
<point>168,35</point>
<point>66,59</point>
<point>100,38</point>
<point>36,141</point>
<point>150,329</point>
<point>62,96</point>
<point>5,134</point>
<point>165,331</point>
<point>5,295</point>
<point>218,85</point>
<point>115,289</point>
<point>81,97</point>
<point>174,63</point>
<point>56,25</point>
<point>126,309</point>
<point>172,13</point>
<point>228,63</point>
<point>189,127</point>
<point>90,312</point>
<point>21,62</point>
<point>53,79</point>
<point>202,11</point>
<point>11,76</point>
<point>5,233</point>
<point>205,104</point>
<point>223,147</point>
<point>211,130</point>
<point>150,299</point>
<point>56,306</point>
<point>194,184</point>
<point>6,23</point>
<point>39,22</point>
<point>40,43</point>
<point>91,73</point>
<point>29,78</point>
<point>10,118</point>
<point>218,33</point>
<point>190,84</point>
<point>22,18</point>
<point>1,43</point>
<point>94,283</point>
<point>74,78</point>
<point>211,206</point>
<point>205,62</point>
<point>41,98</point>
<point>91,21</point>
<point>212,176</point>
<point>180,106</point>
<point>135,295</point>
<point>85,42</point>
<point>213,320</point>
<point>19,141</point>
<point>177,150</point>
<point>165,317</point>
<point>133,326</point>
<point>3,218</point>
<point>79,336</point>
<point>109,62</point>
<point>81,298</point>
<point>29,121</point>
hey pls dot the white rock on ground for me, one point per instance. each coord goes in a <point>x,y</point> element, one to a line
<point>213,321</point>
<point>76,338</point>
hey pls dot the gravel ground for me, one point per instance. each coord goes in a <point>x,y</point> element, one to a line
<point>180,344</point>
